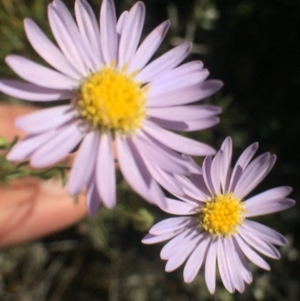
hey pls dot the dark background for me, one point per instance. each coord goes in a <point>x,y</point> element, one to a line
<point>254,47</point>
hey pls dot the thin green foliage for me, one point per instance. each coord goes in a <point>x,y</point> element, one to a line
<point>10,171</point>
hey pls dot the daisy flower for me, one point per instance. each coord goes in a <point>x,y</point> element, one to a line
<point>213,225</point>
<point>121,106</point>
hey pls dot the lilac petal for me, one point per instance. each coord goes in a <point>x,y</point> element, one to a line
<point>241,164</point>
<point>108,28</point>
<point>155,191</point>
<point>69,27</point>
<point>216,172</point>
<point>265,233</point>
<point>93,199</point>
<point>243,266</point>
<point>89,31</point>
<point>45,120</point>
<point>165,62</point>
<point>176,142</point>
<point>203,124</point>
<point>232,263</point>
<point>48,51</point>
<point>40,75</point>
<point>175,163</point>
<point>173,82</point>
<point>63,28</point>
<point>194,202</point>
<point>198,181</point>
<point>247,155</point>
<point>255,172</point>
<point>179,208</point>
<point>258,244</point>
<point>207,163</point>
<point>210,266</point>
<point>186,126</point>
<point>164,179</point>
<point>155,155</point>
<point>172,79</point>
<point>153,239</point>
<point>83,165</point>
<point>32,92</point>
<point>105,172</point>
<point>226,164</point>
<point>129,168</point>
<point>27,146</point>
<point>223,266</point>
<point>186,113</point>
<point>268,206</point>
<point>175,243</point>
<point>195,261</point>
<point>121,21</point>
<point>181,254</point>
<point>186,95</point>
<point>57,148</point>
<point>250,254</point>
<point>275,193</point>
<point>131,33</point>
<point>170,225</point>
<point>148,47</point>
<point>136,174</point>
<point>197,169</point>
<point>193,65</point>
<point>190,189</point>
<point>184,69</point>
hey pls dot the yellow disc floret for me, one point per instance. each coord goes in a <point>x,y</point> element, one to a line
<point>112,101</point>
<point>222,214</point>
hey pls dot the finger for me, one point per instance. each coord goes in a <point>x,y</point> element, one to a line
<point>30,208</point>
<point>8,115</point>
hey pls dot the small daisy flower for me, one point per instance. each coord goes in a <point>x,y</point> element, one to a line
<point>213,229</point>
<point>122,107</point>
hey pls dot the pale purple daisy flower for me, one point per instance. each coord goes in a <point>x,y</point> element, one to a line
<point>213,225</point>
<point>118,100</point>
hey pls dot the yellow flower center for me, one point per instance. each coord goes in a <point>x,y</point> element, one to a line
<point>112,101</point>
<point>222,214</point>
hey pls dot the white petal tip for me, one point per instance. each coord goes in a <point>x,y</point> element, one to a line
<point>93,210</point>
<point>188,279</point>
<point>27,21</point>
<point>110,205</point>
<point>16,154</point>
<point>147,239</point>
<point>11,156</point>
<point>189,46</point>
<point>291,203</point>
<point>72,191</point>
<point>37,163</point>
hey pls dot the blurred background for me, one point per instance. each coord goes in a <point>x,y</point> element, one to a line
<point>254,47</point>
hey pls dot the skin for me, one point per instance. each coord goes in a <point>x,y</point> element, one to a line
<point>31,208</point>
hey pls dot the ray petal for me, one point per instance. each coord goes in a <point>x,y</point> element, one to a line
<point>40,75</point>
<point>108,28</point>
<point>131,33</point>
<point>165,62</point>
<point>83,166</point>
<point>148,47</point>
<point>105,172</point>
<point>28,91</point>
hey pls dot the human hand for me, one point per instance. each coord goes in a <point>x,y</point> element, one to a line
<point>31,208</point>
